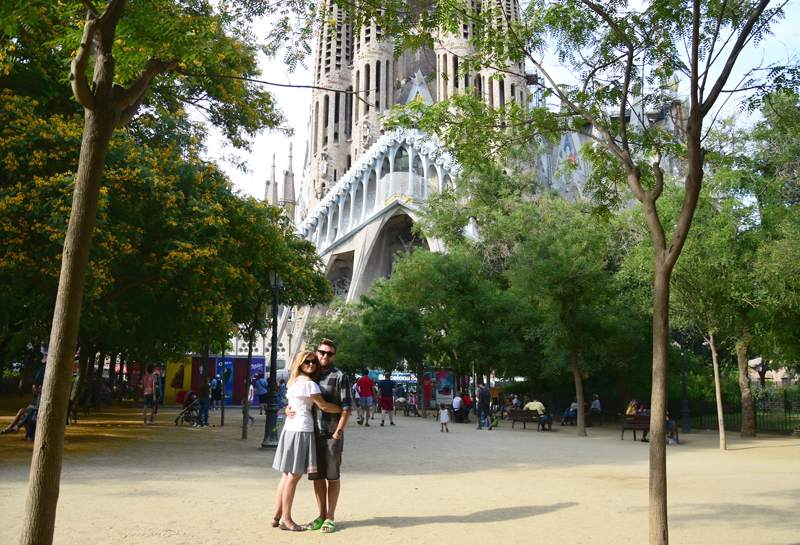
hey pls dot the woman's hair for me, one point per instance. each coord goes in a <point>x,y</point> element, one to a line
<point>298,361</point>
<point>441,406</point>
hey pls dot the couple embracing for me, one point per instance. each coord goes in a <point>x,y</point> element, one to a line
<point>312,438</point>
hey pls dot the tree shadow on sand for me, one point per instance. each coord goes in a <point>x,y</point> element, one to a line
<point>490,515</point>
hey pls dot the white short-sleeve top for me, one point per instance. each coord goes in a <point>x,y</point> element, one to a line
<point>299,397</point>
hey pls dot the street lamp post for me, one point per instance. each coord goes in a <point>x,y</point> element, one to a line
<point>685,414</point>
<point>271,430</point>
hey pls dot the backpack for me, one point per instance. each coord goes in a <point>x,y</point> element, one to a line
<point>485,395</point>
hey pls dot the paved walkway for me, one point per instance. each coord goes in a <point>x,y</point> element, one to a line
<point>127,483</point>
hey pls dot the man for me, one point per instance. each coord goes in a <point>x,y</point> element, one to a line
<point>23,414</point>
<point>202,398</point>
<point>466,404</point>
<point>544,419</point>
<point>365,386</point>
<point>595,404</point>
<point>149,387</point>
<point>329,431</point>
<point>458,414</point>
<point>216,393</point>
<point>386,388</point>
<point>261,390</point>
<point>484,404</point>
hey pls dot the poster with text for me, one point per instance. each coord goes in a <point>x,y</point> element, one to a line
<point>444,387</point>
<point>226,373</point>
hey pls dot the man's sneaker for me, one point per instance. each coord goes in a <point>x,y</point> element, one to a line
<point>381,422</point>
<point>360,422</point>
<point>151,420</point>
<point>366,425</point>
<point>672,442</point>
<point>391,423</point>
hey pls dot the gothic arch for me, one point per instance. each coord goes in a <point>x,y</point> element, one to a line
<point>372,191</point>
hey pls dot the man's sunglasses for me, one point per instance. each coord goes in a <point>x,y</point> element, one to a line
<point>326,353</point>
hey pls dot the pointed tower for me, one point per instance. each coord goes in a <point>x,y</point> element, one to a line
<point>287,189</point>
<point>271,191</point>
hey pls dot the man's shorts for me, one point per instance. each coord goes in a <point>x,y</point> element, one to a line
<point>365,401</point>
<point>216,396</point>
<point>329,458</point>
<point>262,398</point>
<point>149,400</point>
<point>387,403</point>
<point>670,424</point>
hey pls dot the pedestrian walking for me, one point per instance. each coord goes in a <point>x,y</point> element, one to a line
<point>484,408</point>
<point>365,386</point>
<point>149,389</point>
<point>387,389</point>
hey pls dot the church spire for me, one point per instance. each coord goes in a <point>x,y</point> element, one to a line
<point>287,189</point>
<point>271,191</point>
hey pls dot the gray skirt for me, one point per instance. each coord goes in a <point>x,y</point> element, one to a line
<point>296,453</point>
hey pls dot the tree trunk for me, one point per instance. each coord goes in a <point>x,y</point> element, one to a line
<point>718,391</point>
<point>85,355</point>
<point>421,389</point>
<point>624,387</point>
<point>576,373</point>
<point>748,410</point>
<point>112,373</point>
<point>250,339</point>
<point>659,529</point>
<point>762,374</point>
<point>98,377</point>
<point>43,488</point>
<point>222,406</point>
<point>535,387</point>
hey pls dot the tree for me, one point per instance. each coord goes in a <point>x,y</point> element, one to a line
<point>624,63</point>
<point>562,268</point>
<point>209,39</point>
<point>757,165</point>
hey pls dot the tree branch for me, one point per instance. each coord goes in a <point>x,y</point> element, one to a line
<point>131,98</point>
<point>80,63</point>
<point>183,72</point>
<point>744,37</point>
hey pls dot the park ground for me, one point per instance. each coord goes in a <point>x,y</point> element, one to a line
<point>123,482</point>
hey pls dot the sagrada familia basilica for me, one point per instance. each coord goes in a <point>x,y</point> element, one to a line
<point>361,185</point>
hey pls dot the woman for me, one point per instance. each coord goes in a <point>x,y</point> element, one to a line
<point>297,452</point>
<point>572,414</point>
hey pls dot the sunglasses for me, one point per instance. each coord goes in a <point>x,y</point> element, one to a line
<point>309,362</point>
<point>326,353</point>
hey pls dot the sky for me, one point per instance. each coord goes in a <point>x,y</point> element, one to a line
<point>295,104</point>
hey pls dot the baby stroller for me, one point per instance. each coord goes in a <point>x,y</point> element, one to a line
<point>190,412</point>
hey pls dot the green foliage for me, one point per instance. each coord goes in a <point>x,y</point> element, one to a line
<point>173,246</point>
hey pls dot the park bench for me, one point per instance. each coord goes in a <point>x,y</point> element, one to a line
<point>639,422</point>
<point>405,407</point>
<point>521,415</point>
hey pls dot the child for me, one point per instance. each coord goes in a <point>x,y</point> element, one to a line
<point>444,418</point>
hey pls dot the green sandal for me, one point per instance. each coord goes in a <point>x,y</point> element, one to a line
<point>328,527</point>
<point>315,524</point>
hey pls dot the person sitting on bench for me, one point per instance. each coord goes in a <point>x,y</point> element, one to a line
<point>22,417</point>
<point>544,418</point>
<point>571,415</point>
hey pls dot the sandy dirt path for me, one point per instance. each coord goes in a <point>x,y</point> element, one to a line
<point>126,483</point>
